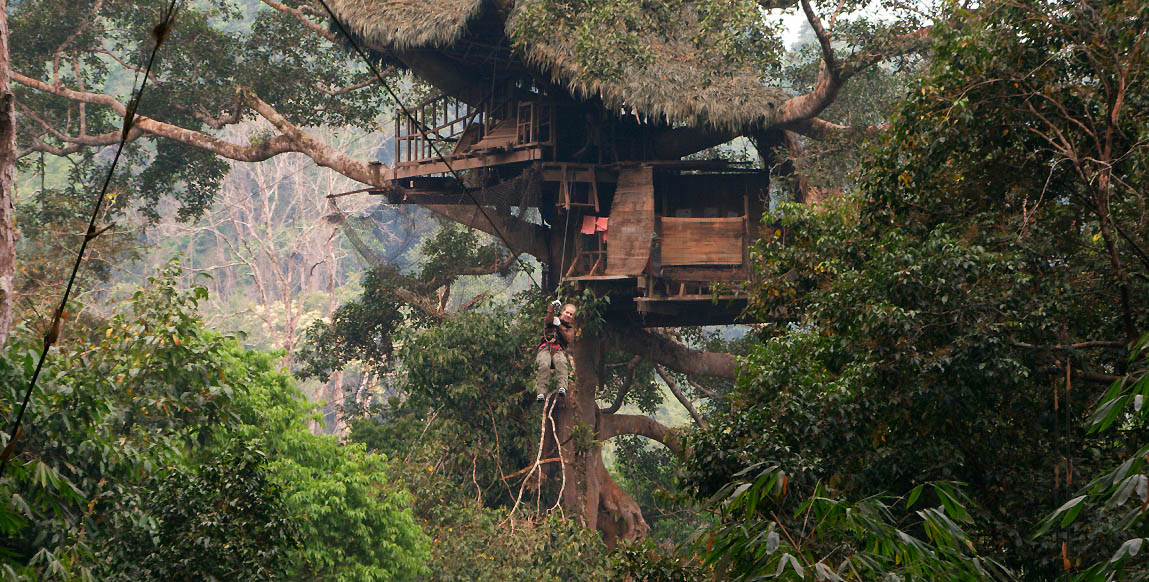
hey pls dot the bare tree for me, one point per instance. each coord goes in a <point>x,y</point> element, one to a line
<point>272,250</point>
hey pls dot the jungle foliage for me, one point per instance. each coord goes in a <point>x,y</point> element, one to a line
<point>956,391</point>
<point>958,318</point>
<point>158,450</point>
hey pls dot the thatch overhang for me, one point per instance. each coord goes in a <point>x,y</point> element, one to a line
<point>408,24</point>
<point>673,83</point>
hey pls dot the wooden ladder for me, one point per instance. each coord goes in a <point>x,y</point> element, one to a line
<point>569,192</point>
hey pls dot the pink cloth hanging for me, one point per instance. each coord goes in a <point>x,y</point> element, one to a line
<point>588,224</point>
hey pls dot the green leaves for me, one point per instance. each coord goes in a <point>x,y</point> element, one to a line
<point>827,537</point>
<point>934,314</point>
<point>1115,500</point>
<point>162,451</point>
<point>216,50</point>
<point>1125,397</point>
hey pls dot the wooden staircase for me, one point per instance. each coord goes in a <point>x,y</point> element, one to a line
<point>499,139</point>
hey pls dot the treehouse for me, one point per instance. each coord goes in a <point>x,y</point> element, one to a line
<point>591,174</point>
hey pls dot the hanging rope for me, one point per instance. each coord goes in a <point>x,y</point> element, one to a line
<point>566,235</point>
<point>159,35</point>
<point>536,466</point>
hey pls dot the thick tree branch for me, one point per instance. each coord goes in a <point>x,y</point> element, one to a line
<point>307,23</point>
<point>76,143</point>
<point>673,355</point>
<point>828,61</point>
<point>612,425</point>
<point>249,153</point>
<point>829,78</point>
<point>322,153</point>
<point>76,146</point>
<point>833,74</point>
<point>632,367</point>
<point>682,399</point>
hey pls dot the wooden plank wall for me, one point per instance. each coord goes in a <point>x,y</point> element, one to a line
<point>631,222</point>
<point>702,241</point>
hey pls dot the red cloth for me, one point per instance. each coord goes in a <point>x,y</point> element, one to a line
<point>588,224</point>
<point>601,222</point>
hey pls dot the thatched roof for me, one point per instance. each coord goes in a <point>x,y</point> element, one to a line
<point>403,24</point>
<point>663,70</point>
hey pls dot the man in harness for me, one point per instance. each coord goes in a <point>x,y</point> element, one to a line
<point>552,360</point>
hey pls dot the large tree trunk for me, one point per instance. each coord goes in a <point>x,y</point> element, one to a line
<point>7,179</point>
<point>590,494</point>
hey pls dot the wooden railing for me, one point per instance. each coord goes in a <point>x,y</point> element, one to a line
<point>443,125</point>
<point>434,124</point>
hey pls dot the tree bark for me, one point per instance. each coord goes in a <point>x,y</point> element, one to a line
<point>590,493</point>
<point>7,183</point>
<point>612,425</point>
<point>663,350</point>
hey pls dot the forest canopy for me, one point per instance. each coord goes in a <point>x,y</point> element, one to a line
<point>939,373</point>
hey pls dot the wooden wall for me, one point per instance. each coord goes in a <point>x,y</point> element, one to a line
<point>631,222</point>
<point>702,241</point>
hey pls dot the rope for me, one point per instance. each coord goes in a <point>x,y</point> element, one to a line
<point>566,235</point>
<point>422,130</point>
<point>159,34</point>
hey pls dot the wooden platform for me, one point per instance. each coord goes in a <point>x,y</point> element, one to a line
<point>690,310</point>
<point>435,166</point>
<point>600,278</point>
<point>628,305</point>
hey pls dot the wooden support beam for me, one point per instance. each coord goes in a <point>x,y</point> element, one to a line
<point>436,197</point>
<point>562,171</point>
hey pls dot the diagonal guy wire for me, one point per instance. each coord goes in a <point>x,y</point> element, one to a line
<point>159,34</point>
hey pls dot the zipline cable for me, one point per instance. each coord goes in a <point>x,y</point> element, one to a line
<point>422,131</point>
<point>159,34</point>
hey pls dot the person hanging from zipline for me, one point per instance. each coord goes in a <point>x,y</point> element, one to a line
<point>552,360</point>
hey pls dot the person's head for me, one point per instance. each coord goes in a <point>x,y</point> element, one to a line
<point>568,313</point>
